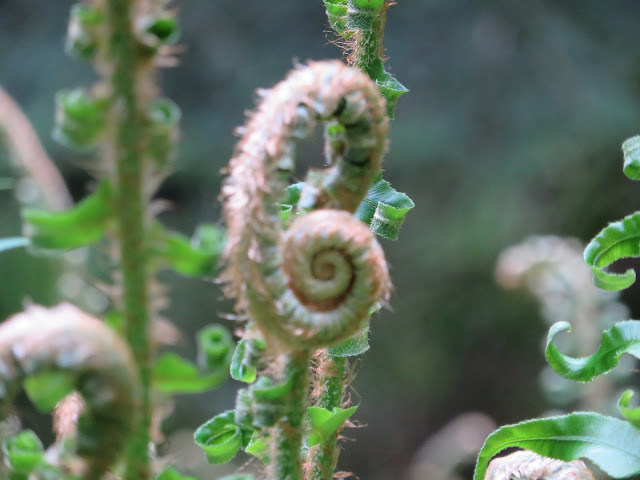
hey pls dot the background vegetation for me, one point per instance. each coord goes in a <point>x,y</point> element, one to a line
<point>512,127</point>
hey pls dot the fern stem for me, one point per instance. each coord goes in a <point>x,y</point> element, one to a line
<point>334,370</point>
<point>324,457</point>
<point>368,25</point>
<point>288,432</point>
<point>131,225</point>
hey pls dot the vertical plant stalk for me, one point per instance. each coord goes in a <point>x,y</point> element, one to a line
<point>289,430</point>
<point>367,20</point>
<point>130,208</point>
<point>313,284</point>
<point>331,380</point>
<point>334,369</point>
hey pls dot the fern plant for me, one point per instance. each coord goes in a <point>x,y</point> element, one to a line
<point>304,268</point>
<point>611,443</point>
<point>301,260</point>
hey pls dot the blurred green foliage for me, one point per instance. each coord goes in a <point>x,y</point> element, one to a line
<point>512,127</point>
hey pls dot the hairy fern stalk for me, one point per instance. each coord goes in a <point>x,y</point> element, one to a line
<point>305,271</point>
<point>302,261</point>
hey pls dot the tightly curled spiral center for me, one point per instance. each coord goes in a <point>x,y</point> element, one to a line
<point>322,265</point>
<point>326,256</point>
<point>329,279</point>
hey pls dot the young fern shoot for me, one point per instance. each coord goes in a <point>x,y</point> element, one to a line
<point>91,358</point>
<point>610,443</point>
<point>308,285</point>
<point>321,247</point>
<point>313,284</point>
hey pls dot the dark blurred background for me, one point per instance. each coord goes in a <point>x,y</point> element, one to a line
<point>512,127</point>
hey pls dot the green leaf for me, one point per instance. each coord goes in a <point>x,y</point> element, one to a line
<point>193,257</point>
<point>353,346</point>
<point>220,438</point>
<point>325,423</point>
<point>171,473</point>
<point>390,88</point>
<point>115,320</point>
<point>78,227</point>
<point>384,209</point>
<point>82,35</point>
<point>10,243</point>
<point>293,196</point>
<point>215,348</point>
<point>610,443</point>
<point>367,4</point>
<point>258,447</point>
<point>264,403</point>
<point>244,363</point>
<point>239,370</point>
<point>631,414</point>
<point>285,212</point>
<point>618,240</point>
<point>265,390</point>
<point>293,193</point>
<point>87,14</point>
<point>80,119</point>
<point>173,374</point>
<point>46,389</point>
<point>363,15</point>
<point>623,337</point>
<point>163,117</point>
<point>164,28</point>
<point>164,112</point>
<point>24,452</point>
<point>631,151</point>
<point>337,15</point>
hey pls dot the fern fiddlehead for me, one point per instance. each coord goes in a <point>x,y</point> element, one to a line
<point>314,283</point>
<point>360,24</point>
<point>525,465</point>
<point>285,282</point>
<point>95,360</point>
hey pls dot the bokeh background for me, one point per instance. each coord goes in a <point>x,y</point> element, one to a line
<point>512,127</point>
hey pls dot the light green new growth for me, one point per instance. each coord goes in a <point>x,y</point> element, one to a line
<point>610,443</point>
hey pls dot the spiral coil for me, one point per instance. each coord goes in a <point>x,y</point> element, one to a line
<point>100,365</point>
<point>315,283</point>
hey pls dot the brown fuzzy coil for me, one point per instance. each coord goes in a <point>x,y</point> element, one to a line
<point>99,363</point>
<point>334,267</point>
<point>526,465</point>
<point>351,105</point>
